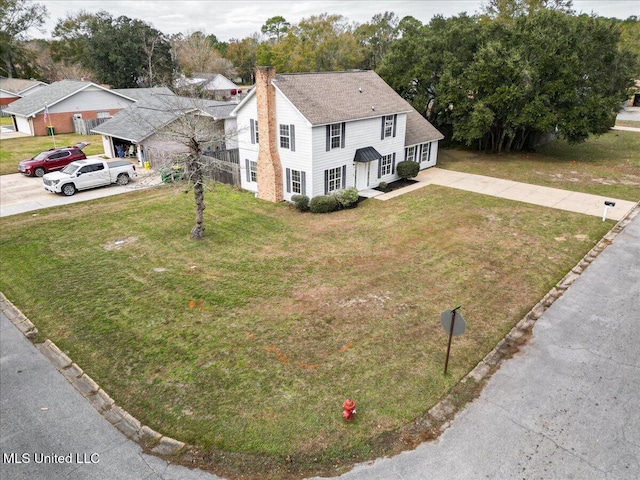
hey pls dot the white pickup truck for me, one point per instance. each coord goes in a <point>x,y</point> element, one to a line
<point>84,174</point>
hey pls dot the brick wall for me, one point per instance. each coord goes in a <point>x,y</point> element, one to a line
<point>63,122</point>
<point>269,168</point>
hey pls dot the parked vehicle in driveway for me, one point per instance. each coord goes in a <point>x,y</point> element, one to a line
<point>85,174</point>
<point>52,160</point>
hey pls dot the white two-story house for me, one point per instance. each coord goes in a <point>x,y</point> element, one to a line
<point>317,133</point>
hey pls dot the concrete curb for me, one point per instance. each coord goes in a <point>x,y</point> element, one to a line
<point>441,414</point>
<point>129,426</point>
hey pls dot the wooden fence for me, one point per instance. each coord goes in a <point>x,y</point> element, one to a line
<point>84,127</point>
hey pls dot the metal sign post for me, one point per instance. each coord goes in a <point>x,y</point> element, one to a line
<point>452,322</point>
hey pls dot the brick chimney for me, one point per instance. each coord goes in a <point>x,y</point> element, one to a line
<point>269,167</point>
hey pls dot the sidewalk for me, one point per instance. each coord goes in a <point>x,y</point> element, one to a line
<point>523,192</point>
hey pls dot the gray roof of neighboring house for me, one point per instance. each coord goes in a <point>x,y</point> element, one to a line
<point>210,81</point>
<point>18,85</point>
<point>138,94</point>
<point>50,95</point>
<point>141,120</point>
<point>331,97</point>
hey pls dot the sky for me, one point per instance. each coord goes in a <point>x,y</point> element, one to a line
<point>241,18</point>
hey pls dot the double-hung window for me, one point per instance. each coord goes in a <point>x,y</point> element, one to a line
<point>252,170</point>
<point>411,154</point>
<point>426,148</point>
<point>334,179</point>
<point>336,135</point>
<point>285,139</point>
<point>254,130</point>
<point>296,181</point>
<point>388,125</point>
<point>386,165</point>
<point>288,137</point>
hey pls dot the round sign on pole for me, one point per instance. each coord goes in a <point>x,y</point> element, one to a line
<point>459,324</point>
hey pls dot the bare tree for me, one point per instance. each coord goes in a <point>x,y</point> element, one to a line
<point>188,126</point>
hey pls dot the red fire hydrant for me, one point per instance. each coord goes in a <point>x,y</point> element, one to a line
<point>349,409</point>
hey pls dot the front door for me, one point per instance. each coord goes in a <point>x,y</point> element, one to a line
<point>363,170</point>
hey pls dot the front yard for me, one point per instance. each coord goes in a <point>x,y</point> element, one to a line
<point>245,344</point>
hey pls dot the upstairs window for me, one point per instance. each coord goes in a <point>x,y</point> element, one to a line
<point>288,137</point>
<point>336,135</point>
<point>388,126</point>
<point>285,140</point>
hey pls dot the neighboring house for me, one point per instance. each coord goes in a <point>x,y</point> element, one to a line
<point>12,89</point>
<point>214,84</point>
<point>62,102</point>
<point>144,129</point>
<point>317,133</point>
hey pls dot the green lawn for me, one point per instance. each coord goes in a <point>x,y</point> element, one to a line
<point>608,165</point>
<point>246,344</point>
<point>12,150</point>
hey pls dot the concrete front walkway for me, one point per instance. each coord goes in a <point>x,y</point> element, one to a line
<point>523,192</point>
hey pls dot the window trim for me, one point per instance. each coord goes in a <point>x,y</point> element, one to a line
<point>426,149</point>
<point>338,180</point>
<point>285,136</point>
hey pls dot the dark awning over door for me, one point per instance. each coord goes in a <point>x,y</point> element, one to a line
<point>367,154</point>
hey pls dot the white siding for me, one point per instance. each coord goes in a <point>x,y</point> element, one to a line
<point>301,158</point>
<point>358,134</point>
<point>247,150</point>
<point>230,133</point>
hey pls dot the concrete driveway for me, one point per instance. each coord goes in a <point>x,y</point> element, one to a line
<point>19,194</point>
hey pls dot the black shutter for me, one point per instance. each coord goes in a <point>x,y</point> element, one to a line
<point>395,121</point>
<point>246,161</point>
<point>393,163</point>
<point>344,176</point>
<point>382,132</point>
<point>292,131</point>
<point>406,153</point>
<point>344,129</point>
<point>288,180</point>
<point>419,158</point>
<point>303,183</point>
<point>328,137</point>
<point>326,182</point>
<point>380,167</point>
<point>253,131</point>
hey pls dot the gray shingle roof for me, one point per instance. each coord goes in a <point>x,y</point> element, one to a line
<point>18,85</point>
<point>331,97</point>
<point>50,95</point>
<point>419,130</point>
<point>138,94</point>
<point>146,117</point>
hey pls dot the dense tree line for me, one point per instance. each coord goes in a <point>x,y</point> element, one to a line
<point>495,81</point>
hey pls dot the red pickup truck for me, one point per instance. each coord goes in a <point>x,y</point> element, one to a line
<point>51,160</point>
